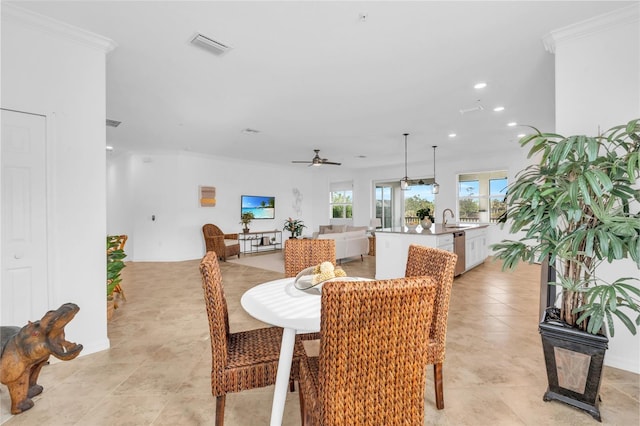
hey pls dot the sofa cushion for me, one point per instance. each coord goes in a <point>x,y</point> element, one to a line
<point>354,234</point>
<point>357,228</point>
<point>339,228</point>
<point>332,236</point>
<point>331,231</point>
<point>325,229</point>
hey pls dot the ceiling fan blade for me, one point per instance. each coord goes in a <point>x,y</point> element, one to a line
<point>318,161</point>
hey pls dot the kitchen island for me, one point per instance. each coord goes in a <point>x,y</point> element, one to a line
<point>392,246</point>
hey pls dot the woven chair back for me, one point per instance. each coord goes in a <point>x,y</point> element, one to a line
<point>301,254</point>
<point>218,315</point>
<point>209,231</point>
<point>440,265</point>
<point>372,361</point>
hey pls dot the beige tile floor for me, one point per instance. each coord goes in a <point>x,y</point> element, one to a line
<point>157,370</point>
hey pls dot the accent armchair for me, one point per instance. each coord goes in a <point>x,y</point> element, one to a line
<point>225,245</point>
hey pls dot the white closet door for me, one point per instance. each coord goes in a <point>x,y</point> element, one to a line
<point>24,286</point>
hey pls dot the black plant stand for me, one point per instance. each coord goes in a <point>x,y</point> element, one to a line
<point>574,360</point>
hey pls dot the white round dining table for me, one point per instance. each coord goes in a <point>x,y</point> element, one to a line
<point>279,303</point>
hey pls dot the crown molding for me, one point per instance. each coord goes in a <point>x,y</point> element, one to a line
<point>625,15</point>
<point>55,27</point>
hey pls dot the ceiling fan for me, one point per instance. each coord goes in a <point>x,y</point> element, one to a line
<point>317,161</point>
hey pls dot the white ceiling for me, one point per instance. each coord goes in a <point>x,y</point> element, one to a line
<point>314,75</point>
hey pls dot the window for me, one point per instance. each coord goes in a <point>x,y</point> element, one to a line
<point>384,194</point>
<point>497,198</point>
<point>481,196</point>
<point>342,204</point>
<point>396,207</point>
<point>419,196</point>
<point>469,200</point>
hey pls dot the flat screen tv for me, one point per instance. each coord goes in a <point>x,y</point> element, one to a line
<point>261,207</point>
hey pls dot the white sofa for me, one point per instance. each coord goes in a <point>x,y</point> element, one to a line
<point>350,240</point>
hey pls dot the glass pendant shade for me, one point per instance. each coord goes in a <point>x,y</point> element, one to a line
<point>404,184</point>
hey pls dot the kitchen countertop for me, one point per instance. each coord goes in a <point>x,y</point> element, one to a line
<point>436,229</point>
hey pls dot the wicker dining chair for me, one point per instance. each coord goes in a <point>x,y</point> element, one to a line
<point>440,265</point>
<point>302,254</point>
<point>242,360</point>
<point>371,366</point>
<point>226,245</point>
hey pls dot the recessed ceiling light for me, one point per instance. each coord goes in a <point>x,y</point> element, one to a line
<point>521,135</point>
<point>109,148</point>
<point>513,123</point>
<point>250,131</point>
<point>452,135</point>
<point>498,108</point>
<point>361,156</point>
<point>480,85</point>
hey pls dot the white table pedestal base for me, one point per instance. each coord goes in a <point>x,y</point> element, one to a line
<point>282,376</point>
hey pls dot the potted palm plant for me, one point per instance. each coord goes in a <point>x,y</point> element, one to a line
<point>578,207</point>
<point>245,220</point>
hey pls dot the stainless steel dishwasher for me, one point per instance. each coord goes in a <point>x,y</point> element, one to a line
<point>458,248</point>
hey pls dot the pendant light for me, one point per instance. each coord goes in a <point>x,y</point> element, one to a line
<point>404,182</point>
<point>435,187</point>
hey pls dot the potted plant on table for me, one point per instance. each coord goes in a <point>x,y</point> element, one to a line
<point>245,220</point>
<point>575,208</point>
<point>425,216</point>
<point>294,226</point>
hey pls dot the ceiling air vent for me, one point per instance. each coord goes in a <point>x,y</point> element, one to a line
<point>210,44</point>
<point>472,109</point>
<point>113,123</point>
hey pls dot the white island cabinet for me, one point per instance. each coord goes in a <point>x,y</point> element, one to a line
<point>392,247</point>
<point>475,247</point>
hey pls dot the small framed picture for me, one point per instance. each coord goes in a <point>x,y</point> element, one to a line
<point>207,196</point>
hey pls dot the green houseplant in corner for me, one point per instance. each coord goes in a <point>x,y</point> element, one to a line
<point>578,207</point>
<point>115,264</point>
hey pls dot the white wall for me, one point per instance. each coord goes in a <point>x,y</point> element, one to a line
<point>165,185</point>
<point>598,86</point>
<point>59,72</point>
<point>119,205</point>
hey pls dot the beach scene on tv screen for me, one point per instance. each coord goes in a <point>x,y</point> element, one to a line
<point>261,207</point>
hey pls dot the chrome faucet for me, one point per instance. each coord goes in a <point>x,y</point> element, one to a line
<point>444,216</point>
